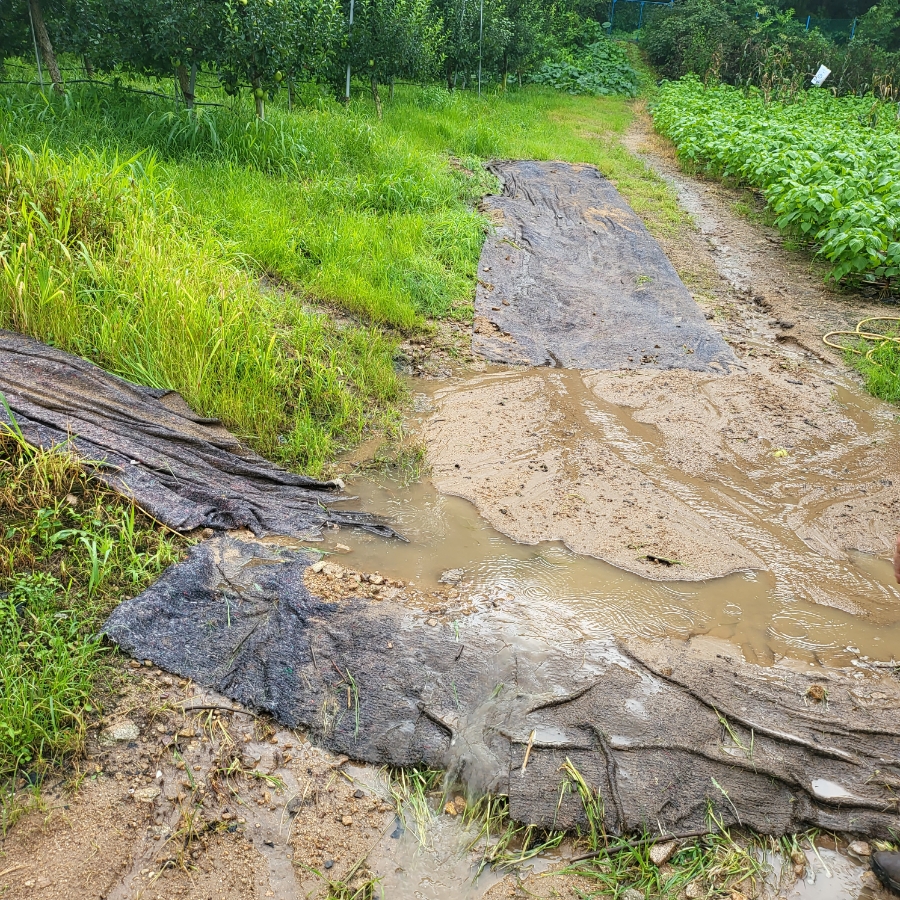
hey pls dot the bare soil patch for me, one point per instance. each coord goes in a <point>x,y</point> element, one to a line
<point>782,464</point>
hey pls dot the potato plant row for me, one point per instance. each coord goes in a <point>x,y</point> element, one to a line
<point>829,167</point>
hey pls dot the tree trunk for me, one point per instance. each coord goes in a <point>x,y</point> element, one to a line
<point>259,100</point>
<point>290,95</point>
<point>88,67</point>
<point>376,97</point>
<point>43,39</point>
<point>186,81</point>
<point>392,88</point>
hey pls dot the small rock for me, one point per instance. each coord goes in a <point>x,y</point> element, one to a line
<point>816,693</point>
<point>329,863</point>
<point>376,579</point>
<point>869,880</point>
<point>632,894</point>
<point>134,664</point>
<point>72,500</point>
<point>432,622</point>
<point>342,548</point>
<point>662,853</point>
<point>451,576</point>
<point>694,891</point>
<point>317,567</point>
<point>147,794</point>
<point>358,794</point>
<point>450,809</point>
<point>333,571</point>
<point>167,680</point>
<point>227,816</point>
<point>799,870</point>
<point>125,730</point>
<point>860,848</point>
<point>347,820</point>
<point>798,858</point>
<point>294,805</point>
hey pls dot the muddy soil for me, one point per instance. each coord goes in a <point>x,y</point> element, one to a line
<point>178,796</point>
<point>671,477</point>
<point>784,465</point>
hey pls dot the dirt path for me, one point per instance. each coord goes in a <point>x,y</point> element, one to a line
<point>783,465</point>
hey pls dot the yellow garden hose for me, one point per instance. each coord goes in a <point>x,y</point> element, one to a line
<point>881,339</point>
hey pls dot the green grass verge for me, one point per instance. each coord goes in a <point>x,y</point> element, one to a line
<point>879,363</point>
<point>137,236</point>
<point>70,550</point>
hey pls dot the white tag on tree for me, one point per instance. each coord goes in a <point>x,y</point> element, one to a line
<point>821,75</point>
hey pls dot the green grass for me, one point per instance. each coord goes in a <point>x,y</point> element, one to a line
<point>98,258</point>
<point>267,270</point>
<point>874,351</point>
<point>70,550</point>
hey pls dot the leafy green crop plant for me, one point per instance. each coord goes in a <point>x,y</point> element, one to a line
<point>828,166</point>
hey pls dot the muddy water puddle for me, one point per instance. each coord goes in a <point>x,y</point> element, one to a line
<point>802,598</point>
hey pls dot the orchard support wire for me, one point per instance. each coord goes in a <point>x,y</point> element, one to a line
<point>480,44</point>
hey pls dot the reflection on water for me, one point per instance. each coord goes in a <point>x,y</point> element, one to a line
<point>548,582</point>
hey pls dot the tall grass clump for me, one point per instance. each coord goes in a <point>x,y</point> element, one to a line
<point>96,257</point>
<point>70,550</point>
<point>369,215</point>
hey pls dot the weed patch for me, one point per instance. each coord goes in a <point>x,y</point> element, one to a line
<point>70,549</point>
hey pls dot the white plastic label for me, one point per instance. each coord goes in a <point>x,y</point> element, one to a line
<point>821,75</point>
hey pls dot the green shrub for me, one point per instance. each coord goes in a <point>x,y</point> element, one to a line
<point>743,44</point>
<point>601,68</point>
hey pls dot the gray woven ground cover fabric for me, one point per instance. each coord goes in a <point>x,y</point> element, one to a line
<point>186,471</point>
<point>572,278</point>
<point>663,731</point>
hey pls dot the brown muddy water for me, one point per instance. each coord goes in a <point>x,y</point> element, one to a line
<point>798,603</point>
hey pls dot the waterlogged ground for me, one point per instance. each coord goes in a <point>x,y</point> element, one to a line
<point>754,508</point>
